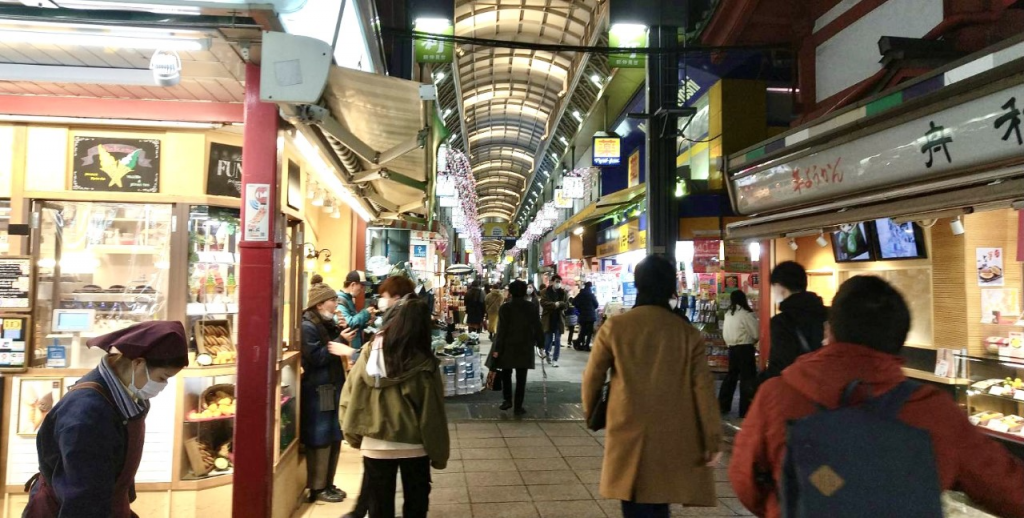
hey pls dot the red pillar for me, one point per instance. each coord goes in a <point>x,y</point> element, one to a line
<point>257,329</point>
<point>766,302</point>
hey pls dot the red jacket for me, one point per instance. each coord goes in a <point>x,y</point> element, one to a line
<point>968,461</point>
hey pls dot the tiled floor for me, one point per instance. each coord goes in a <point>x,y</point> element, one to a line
<point>518,469</point>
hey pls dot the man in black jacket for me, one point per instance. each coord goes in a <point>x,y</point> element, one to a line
<point>799,327</point>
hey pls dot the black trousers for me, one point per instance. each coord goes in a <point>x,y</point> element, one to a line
<point>380,480</point>
<point>321,464</point>
<point>572,331</point>
<point>506,385</point>
<point>635,510</point>
<point>586,334</point>
<point>742,369</point>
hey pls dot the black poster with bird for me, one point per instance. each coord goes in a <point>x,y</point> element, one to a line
<point>116,165</point>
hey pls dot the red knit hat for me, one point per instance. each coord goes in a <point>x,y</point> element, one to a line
<point>155,340</point>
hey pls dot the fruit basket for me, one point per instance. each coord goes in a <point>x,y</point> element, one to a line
<point>216,402</point>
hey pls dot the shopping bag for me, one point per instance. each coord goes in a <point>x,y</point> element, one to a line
<point>494,380</point>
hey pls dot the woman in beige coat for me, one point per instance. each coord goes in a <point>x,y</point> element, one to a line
<point>663,424</point>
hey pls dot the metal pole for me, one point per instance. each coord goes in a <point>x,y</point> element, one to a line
<point>662,95</point>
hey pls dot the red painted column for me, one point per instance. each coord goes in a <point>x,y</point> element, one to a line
<point>257,330</point>
<point>765,306</point>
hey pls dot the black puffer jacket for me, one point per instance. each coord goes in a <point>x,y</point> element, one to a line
<point>801,320</point>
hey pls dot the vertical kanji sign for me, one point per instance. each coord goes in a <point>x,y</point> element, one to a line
<point>624,36</point>
<point>434,50</point>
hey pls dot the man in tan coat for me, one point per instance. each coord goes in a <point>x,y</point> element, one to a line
<point>492,304</point>
<point>663,422</point>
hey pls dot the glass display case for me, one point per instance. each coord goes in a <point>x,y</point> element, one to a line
<point>208,398</point>
<point>101,267</point>
<point>212,287</point>
<point>994,399</point>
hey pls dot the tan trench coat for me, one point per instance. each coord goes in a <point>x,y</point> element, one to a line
<point>662,412</point>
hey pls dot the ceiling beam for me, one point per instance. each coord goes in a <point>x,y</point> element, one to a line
<point>93,108</point>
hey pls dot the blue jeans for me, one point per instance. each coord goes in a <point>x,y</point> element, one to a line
<point>553,340</point>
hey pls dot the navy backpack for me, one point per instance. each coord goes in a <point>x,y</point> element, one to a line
<point>860,461</point>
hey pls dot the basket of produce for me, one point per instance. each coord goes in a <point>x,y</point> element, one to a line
<point>216,402</point>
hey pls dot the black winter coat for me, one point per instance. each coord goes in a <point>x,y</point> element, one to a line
<point>586,304</point>
<point>519,332</point>
<point>801,315</point>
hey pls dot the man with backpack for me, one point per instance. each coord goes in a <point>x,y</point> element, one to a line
<point>800,325</point>
<point>843,433</point>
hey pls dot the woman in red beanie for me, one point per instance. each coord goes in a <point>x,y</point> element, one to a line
<point>90,444</point>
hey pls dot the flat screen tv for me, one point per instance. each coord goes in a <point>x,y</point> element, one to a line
<point>896,241</point>
<point>853,244</point>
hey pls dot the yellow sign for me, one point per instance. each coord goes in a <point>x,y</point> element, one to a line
<point>495,230</point>
<point>642,240</point>
<point>624,231</point>
<point>12,324</point>
<point>634,169</point>
<point>607,151</point>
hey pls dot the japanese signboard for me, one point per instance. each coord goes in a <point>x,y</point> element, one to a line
<point>546,253</point>
<point>573,187</point>
<point>627,37</point>
<point>706,255</point>
<point>224,171</point>
<point>116,165</point>
<point>634,169</point>
<point>256,212</point>
<point>737,258</point>
<point>973,133</point>
<point>561,200</point>
<point>431,50</point>
<point>607,151</point>
<point>14,332</point>
<point>16,284</point>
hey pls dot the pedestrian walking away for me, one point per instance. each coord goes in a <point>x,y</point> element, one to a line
<point>493,304</point>
<point>799,327</point>
<point>586,304</point>
<point>863,427</point>
<point>663,428</point>
<point>741,334</point>
<point>519,334</point>
<point>90,444</point>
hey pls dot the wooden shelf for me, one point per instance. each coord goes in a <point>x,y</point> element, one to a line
<point>210,371</point>
<point>927,376</point>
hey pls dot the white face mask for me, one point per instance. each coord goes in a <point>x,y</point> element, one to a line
<point>529,290</point>
<point>329,317</point>
<point>558,285</point>
<point>150,390</point>
<point>383,304</point>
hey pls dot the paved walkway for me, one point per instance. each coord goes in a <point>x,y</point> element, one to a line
<point>518,469</point>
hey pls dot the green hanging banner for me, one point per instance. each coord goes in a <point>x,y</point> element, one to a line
<point>627,37</point>
<point>430,50</point>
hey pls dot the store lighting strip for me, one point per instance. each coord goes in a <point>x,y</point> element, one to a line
<point>327,178</point>
<point>85,121</point>
<point>140,40</point>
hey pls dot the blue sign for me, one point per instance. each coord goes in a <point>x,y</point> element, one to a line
<point>629,289</point>
<point>419,250</point>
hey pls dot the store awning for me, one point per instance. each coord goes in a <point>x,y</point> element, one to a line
<point>377,127</point>
<point>602,207</point>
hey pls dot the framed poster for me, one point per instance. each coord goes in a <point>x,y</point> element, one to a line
<point>295,199</point>
<point>990,267</point>
<point>36,398</point>
<point>16,283</point>
<point>14,333</point>
<point>115,164</point>
<point>224,171</point>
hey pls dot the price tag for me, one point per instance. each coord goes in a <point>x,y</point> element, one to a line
<point>18,346</point>
<point>998,425</point>
<point>997,390</point>
<point>941,368</point>
<point>217,309</point>
<point>195,309</point>
<point>5,343</point>
<point>12,324</point>
<point>1018,395</point>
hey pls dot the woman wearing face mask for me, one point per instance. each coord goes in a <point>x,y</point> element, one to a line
<point>322,379</point>
<point>90,444</point>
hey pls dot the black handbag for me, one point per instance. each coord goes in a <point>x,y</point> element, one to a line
<point>598,418</point>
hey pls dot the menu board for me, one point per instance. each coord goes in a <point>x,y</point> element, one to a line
<point>224,171</point>
<point>16,284</point>
<point>13,337</point>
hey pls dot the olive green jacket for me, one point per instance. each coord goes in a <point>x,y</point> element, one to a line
<point>408,408</point>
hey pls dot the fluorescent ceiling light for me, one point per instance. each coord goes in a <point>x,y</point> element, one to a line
<point>596,79</point>
<point>130,39</point>
<point>84,121</point>
<point>447,112</point>
<point>577,116</point>
<point>80,75</point>
<point>564,141</point>
<point>432,25</point>
<point>439,77</point>
<point>107,5</point>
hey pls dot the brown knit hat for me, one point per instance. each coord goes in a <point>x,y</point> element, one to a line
<point>320,293</point>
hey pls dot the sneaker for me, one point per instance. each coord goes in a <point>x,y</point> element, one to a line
<point>555,364</point>
<point>330,497</point>
<point>506,405</point>
<point>520,411</point>
<point>336,491</point>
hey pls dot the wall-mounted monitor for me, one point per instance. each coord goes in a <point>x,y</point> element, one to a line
<point>607,151</point>
<point>894,241</point>
<point>853,244</point>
